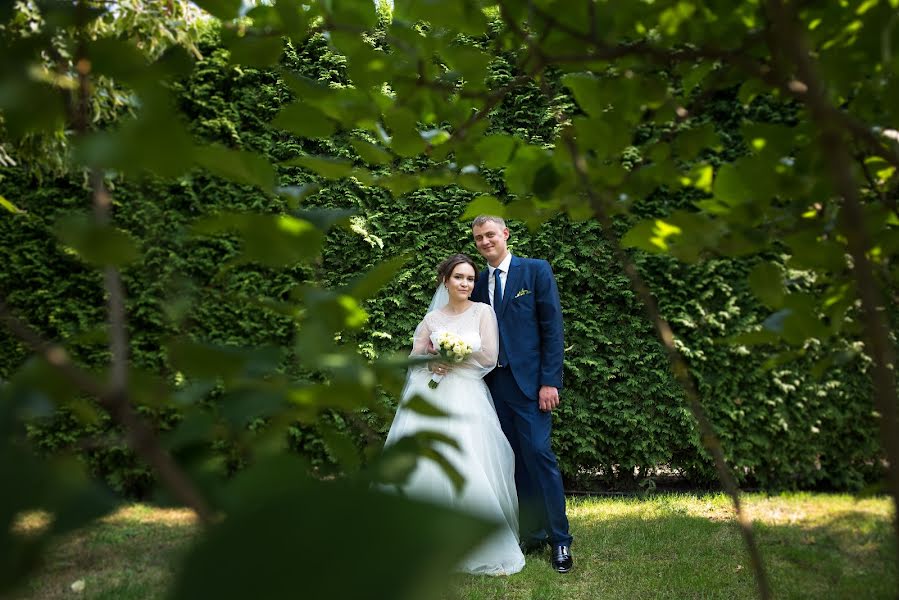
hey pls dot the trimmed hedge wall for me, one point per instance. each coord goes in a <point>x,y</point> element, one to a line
<point>621,413</point>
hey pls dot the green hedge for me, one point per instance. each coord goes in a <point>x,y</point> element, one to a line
<point>621,412</point>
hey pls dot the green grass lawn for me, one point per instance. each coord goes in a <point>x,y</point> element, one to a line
<point>667,546</point>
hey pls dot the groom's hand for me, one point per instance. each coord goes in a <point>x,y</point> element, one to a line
<point>549,398</point>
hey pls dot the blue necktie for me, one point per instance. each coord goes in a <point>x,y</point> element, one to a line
<point>497,303</point>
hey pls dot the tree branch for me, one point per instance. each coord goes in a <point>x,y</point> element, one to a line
<point>114,396</point>
<point>791,38</point>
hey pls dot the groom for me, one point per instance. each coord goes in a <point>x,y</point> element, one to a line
<point>525,385</point>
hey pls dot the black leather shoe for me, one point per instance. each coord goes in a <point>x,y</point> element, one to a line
<point>561,559</point>
<point>534,546</point>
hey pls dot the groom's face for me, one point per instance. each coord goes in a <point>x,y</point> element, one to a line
<point>490,239</point>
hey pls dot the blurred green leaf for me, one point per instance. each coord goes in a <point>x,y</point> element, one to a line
<point>588,91</point>
<point>370,153</point>
<point>304,121</point>
<point>225,10</point>
<point>99,245</point>
<point>341,447</point>
<point>766,283</point>
<point>255,50</point>
<point>421,406</point>
<point>206,361</point>
<point>483,205</point>
<point>607,137</point>
<point>272,506</point>
<point>470,62</point>
<point>239,166</point>
<point>369,284</point>
<point>405,139</point>
<point>463,16</point>
<point>119,59</point>
<point>691,142</point>
<point>329,168</point>
<point>809,251</point>
<point>272,240</point>
<point>495,150</point>
<point>353,13</point>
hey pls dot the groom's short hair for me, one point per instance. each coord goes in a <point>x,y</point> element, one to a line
<point>483,219</point>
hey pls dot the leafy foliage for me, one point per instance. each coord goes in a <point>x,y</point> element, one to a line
<point>259,210</point>
<point>621,413</point>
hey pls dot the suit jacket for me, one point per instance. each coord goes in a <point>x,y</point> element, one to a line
<point>530,323</point>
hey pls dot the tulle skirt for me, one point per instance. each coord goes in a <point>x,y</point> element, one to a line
<point>484,459</point>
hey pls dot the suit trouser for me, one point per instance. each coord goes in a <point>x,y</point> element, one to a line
<point>541,497</point>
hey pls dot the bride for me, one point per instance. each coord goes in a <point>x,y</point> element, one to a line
<point>484,457</point>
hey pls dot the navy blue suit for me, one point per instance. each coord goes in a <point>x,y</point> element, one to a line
<point>530,333</point>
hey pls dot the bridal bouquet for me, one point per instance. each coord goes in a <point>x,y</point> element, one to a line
<point>452,349</point>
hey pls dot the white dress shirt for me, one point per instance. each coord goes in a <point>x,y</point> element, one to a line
<point>503,275</point>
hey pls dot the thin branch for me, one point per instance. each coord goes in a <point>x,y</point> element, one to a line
<point>885,198</point>
<point>113,397</point>
<point>679,367</point>
<point>492,101</point>
<point>54,354</point>
<point>833,146</point>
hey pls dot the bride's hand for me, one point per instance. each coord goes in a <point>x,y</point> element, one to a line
<point>438,367</point>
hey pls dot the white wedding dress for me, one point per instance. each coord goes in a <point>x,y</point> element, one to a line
<point>485,458</point>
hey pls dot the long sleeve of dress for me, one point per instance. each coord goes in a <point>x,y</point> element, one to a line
<point>422,338</point>
<point>484,360</point>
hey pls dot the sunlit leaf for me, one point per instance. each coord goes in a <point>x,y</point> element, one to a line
<point>4,203</point>
<point>652,235</point>
<point>483,205</point>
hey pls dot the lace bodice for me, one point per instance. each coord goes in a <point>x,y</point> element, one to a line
<point>477,325</point>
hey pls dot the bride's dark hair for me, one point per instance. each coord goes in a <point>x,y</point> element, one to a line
<point>445,268</point>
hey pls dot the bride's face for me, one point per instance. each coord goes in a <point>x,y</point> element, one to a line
<point>460,282</point>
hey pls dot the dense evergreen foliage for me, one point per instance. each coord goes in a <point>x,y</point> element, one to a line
<point>781,425</point>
